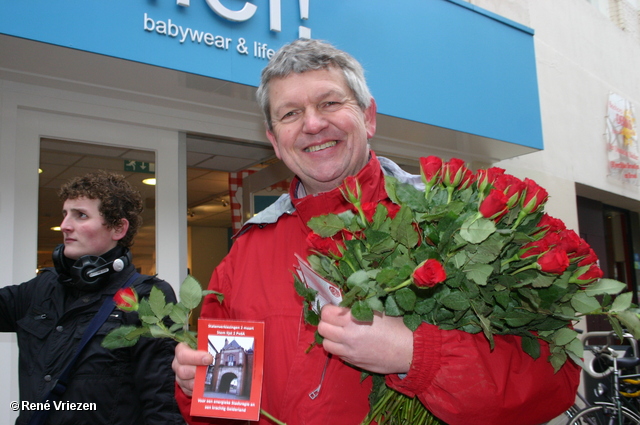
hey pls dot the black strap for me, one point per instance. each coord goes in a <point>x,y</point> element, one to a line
<point>60,385</point>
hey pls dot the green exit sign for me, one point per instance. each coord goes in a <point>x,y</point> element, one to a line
<point>139,166</point>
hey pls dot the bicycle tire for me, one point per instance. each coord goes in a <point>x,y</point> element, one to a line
<point>603,414</point>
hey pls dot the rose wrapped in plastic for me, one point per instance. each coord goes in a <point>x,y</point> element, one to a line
<point>471,251</point>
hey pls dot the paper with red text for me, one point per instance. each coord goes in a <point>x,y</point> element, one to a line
<point>231,387</point>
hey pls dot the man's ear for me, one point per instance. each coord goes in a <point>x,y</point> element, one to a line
<point>370,118</point>
<point>120,231</point>
<point>274,142</point>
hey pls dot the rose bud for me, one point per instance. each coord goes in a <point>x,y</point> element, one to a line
<point>486,178</point>
<point>454,170</point>
<point>326,246</point>
<point>126,299</point>
<point>512,186</point>
<point>430,170</point>
<point>494,206</point>
<point>429,274</point>
<point>554,261</point>
<point>351,191</point>
<point>593,273</point>
<point>534,197</point>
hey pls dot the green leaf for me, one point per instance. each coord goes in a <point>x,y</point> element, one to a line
<point>412,321</point>
<point>519,318</point>
<point>479,273</point>
<point>622,302</point>
<point>531,346</point>
<point>630,321</point>
<point>190,292</point>
<point>149,320</point>
<point>391,307</point>
<point>119,337</point>
<point>326,225</point>
<point>402,229</point>
<point>406,299</point>
<point>455,301</point>
<point>359,278</point>
<point>159,332</point>
<point>576,348</point>
<point>605,286</point>
<point>616,325</point>
<point>583,303</point>
<point>557,360</point>
<point>376,304</point>
<point>477,230</point>
<point>564,336</point>
<point>157,302</point>
<point>362,312</point>
<point>179,314</point>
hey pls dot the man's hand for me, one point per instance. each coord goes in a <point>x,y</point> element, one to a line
<point>184,365</point>
<point>383,346</point>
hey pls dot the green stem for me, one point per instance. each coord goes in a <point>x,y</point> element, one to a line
<point>529,267</point>
<point>265,413</point>
<point>400,286</point>
<point>521,216</point>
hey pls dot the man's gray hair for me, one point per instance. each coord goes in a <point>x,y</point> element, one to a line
<point>309,55</point>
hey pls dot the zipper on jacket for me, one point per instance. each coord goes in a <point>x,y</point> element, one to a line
<point>313,394</point>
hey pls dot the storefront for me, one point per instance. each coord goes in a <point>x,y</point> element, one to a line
<point>165,89</point>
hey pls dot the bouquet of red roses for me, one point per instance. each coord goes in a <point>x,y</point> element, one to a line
<point>470,251</point>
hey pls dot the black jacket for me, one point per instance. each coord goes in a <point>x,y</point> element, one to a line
<point>132,385</point>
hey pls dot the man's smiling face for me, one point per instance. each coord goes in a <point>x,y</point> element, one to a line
<point>319,131</point>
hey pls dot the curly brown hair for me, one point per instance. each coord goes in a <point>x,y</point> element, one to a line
<point>118,199</point>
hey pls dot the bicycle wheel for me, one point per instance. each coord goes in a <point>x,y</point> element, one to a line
<point>604,414</point>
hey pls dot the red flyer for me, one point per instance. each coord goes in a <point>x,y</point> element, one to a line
<point>230,387</point>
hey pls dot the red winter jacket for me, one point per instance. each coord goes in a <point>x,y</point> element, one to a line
<point>453,373</point>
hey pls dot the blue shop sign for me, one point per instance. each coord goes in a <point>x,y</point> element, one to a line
<point>440,62</point>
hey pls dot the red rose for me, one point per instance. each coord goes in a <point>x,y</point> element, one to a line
<point>554,261</point>
<point>548,223</point>
<point>533,248</point>
<point>126,299</point>
<point>326,246</point>
<point>589,258</point>
<point>534,197</point>
<point>453,171</point>
<point>369,209</point>
<point>467,179</point>
<point>351,191</point>
<point>569,241</point>
<point>429,274</point>
<point>594,272</point>
<point>494,206</point>
<point>430,170</point>
<point>485,178</point>
<point>512,186</point>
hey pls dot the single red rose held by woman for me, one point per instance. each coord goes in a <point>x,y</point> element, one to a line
<point>429,274</point>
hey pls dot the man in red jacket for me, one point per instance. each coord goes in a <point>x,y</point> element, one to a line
<point>319,116</point>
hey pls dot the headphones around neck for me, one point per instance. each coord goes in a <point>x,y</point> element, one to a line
<point>89,272</point>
